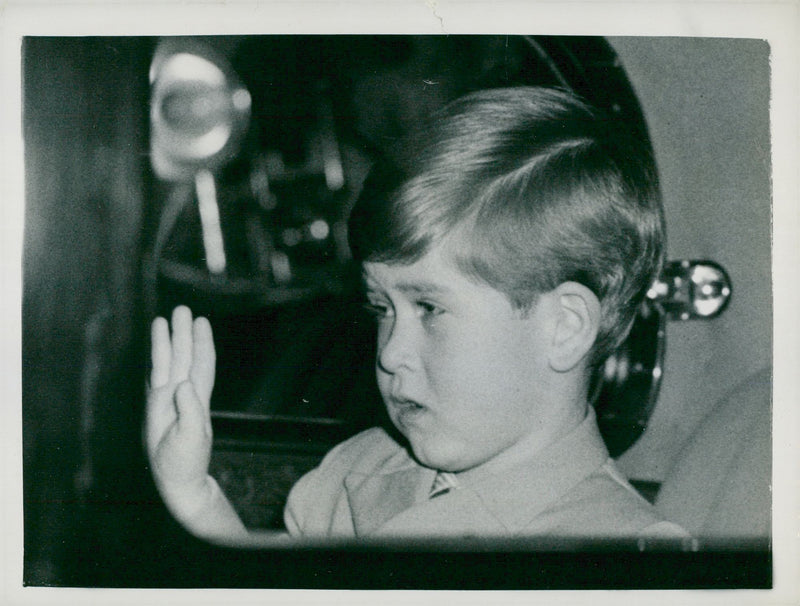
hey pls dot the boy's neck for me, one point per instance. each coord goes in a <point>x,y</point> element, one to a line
<point>563,419</point>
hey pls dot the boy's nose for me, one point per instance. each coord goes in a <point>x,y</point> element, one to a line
<point>396,346</point>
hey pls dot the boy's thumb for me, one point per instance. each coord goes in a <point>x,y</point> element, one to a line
<point>188,407</point>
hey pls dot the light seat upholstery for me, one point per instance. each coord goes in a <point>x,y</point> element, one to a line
<point>720,484</point>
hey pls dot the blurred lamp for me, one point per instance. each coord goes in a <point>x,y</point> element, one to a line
<point>199,112</point>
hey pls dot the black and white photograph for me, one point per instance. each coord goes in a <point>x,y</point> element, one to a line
<point>346,304</point>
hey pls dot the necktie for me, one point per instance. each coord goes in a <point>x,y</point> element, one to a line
<point>442,483</point>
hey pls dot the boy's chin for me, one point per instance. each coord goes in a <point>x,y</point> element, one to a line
<point>430,448</point>
<point>437,454</point>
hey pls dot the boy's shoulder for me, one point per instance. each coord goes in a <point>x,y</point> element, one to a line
<point>605,505</point>
<point>370,452</point>
<point>365,452</point>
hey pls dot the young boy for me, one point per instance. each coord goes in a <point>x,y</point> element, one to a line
<point>504,258</point>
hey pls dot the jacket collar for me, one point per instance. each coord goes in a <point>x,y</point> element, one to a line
<point>376,498</point>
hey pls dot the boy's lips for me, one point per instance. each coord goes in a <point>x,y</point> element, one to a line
<point>403,402</point>
<point>406,413</point>
<point>404,405</point>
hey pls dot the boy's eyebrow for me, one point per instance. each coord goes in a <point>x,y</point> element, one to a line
<point>421,286</point>
<point>408,287</point>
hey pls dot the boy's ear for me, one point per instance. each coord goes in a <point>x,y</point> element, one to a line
<point>576,322</point>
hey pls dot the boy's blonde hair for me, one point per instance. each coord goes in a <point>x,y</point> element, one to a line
<point>533,188</point>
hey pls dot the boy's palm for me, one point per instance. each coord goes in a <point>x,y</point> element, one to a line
<point>178,425</point>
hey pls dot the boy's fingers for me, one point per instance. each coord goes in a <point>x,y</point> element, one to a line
<point>160,353</point>
<point>204,360</point>
<point>181,344</point>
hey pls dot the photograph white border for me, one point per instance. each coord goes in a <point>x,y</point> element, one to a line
<point>776,22</point>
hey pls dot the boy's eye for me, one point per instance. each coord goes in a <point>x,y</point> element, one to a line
<point>429,309</point>
<point>376,309</point>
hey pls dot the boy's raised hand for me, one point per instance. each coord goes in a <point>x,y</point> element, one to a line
<point>178,421</point>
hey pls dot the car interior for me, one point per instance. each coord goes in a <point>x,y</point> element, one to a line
<point>219,171</point>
